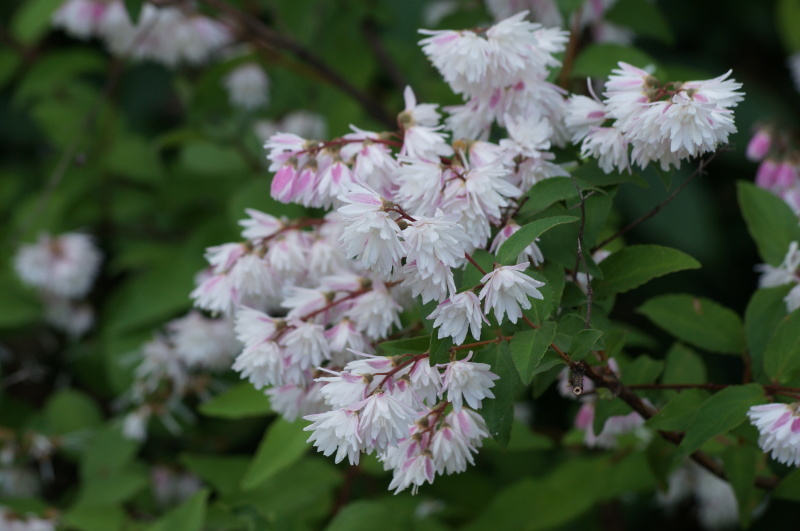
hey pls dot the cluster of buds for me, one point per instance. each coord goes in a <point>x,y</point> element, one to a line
<point>63,269</point>
<point>779,163</point>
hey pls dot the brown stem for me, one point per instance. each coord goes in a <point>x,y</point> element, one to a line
<point>271,39</point>
<point>473,262</point>
<point>466,346</point>
<point>572,50</point>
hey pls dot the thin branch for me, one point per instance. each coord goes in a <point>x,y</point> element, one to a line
<point>274,40</point>
<point>572,49</point>
<point>699,171</point>
<point>370,30</point>
<point>581,259</point>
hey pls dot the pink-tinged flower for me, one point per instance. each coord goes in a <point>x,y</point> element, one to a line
<point>80,18</point>
<point>336,431</point>
<point>779,425</point>
<point>370,234</point>
<point>430,240</point>
<point>426,381</point>
<point>583,114</point>
<point>216,294</point>
<point>375,312</point>
<point>203,342</point>
<point>766,173</point>
<point>420,123</point>
<point>343,337</point>
<point>467,380</point>
<point>332,182</point>
<point>414,472</point>
<point>469,424</point>
<point>759,145</point>
<point>785,175</point>
<point>253,326</point>
<point>451,451</point>
<point>436,284</point>
<point>344,388</point>
<point>506,291</point>
<point>531,252</point>
<point>294,401</point>
<point>609,146</point>
<point>384,420</point>
<point>260,225</point>
<point>419,185</point>
<point>613,427</point>
<point>305,345</point>
<point>64,265</point>
<point>262,364</point>
<point>457,315</point>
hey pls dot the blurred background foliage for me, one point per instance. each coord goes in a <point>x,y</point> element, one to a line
<point>157,165</point>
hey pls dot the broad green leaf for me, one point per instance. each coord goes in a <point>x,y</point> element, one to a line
<point>32,20</point>
<point>283,444</point>
<point>71,410</point>
<point>207,158</point>
<point>528,347</point>
<point>517,242</point>
<point>9,61</point>
<point>439,349</point>
<point>643,17</point>
<point>394,514</point>
<point>789,487</point>
<point>498,412</point>
<point>107,451</point>
<point>698,321</point>
<point>740,467</point>
<point>598,60</point>
<point>719,414</point>
<point>132,157</point>
<point>542,309</point>
<point>787,17</point>
<point>189,516</point>
<point>584,342</point>
<point>113,487</point>
<point>782,355</point>
<point>91,517</point>
<point>632,266</point>
<point>240,401</point>
<point>413,345</point>
<point>224,473</point>
<point>134,8</point>
<point>546,192</point>
<point>642,370</point>
<point>27,308</point>
<point>608,408</point>
<point>771,222</point>
<point>679,412</point>
<point>683,366</point>
<point>764,313</point>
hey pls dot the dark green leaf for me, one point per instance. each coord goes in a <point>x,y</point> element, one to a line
<point>643,17</point>
<point>764,313</point>
<point>679,412</point>
<point>632,266</point>
<point>787,17</point>
<point>771,222</point>
<point>740,467</point>
<point>584,342</point>
<point>189,516</point>
<point>472,277</point>
<point>517,242</point>
<point>608,408</point>
<point>92,517</point>
<point>413,345</point>
<point>719,414</point>
<point>283,444</point>
<point>782,355</point>
<point>683,366</point>
<point>498,412</point>
<point>439,348</point>
<point>134,8</point>
<point>546,192</point>
<point>698,321</point>
<point>789,487</point>
<point>32,20</point>
<point>643,370</point>
<point>71,410</point>
<point>224,473</point>
<point>240,401</point>
<point>528,347</point>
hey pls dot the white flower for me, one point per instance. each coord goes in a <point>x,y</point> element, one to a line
<point>134,425</point>
<point>375,312</point>
<point>426,381</point>
<point>467,380</point>
<point>305,345</point>
<point>457,315</point>
<point>436,285</point>
<point>420,185</point>
<point>469,424</point>
<point>260,225</point>
<point>414,472</point>
<point>384,420</point>
<point>694,124</point>
<point>792,299</point>
<point>64,265</point>
<point>779,425</point>
<point>261,363</point>
<point>68,315</point>
<point>202,342</point>
<point>342,337</point>
<point>248,86</point>
<point>531,252</point>
<point>338,431</point>
<point>583,114</point>
<point>436,239</point>
<point>293,401</point>
<point>783,274</point>
<point>80,18</point>
<point>609,146</point>
<point>506,291</point>
<point>451,451</point>
<point>345,388</point>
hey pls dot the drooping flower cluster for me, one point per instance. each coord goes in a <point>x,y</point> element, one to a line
<point>779,163</point>
<point>779,425</point>
<point>661,122</point>
<point>63,268</point>
<point>785,273</point>
<point>167,35</point>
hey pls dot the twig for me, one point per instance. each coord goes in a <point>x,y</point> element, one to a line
<point>370,30</point>
<point>699,171</point>
<point>581,259</point>
<point>572,49</point>
<point>271,39</point>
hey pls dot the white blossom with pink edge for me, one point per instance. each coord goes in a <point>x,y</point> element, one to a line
<point>779,426</point>
<point>506,291</point>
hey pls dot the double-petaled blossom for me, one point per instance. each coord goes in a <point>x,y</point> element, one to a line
<point>467,381</point>
<point>506,291</point>
<point>779,426</point>
<point>459,314</point>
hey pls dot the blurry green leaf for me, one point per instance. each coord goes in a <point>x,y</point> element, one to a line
<point>598,60</point>
<point>53,72</point>
<point>498,412</point>
<point>439,348</point>
<point>782,356</point>
<point>632,266</point>
<point>787,17</point>
<point>517,242</point>
<point>771,222</point>
<point>132,157</point>
<point>71,410</point>
<point>224,473</point>
<point>27,308</point>
<point>608,408</point>
<point>32,20</point>
<point>107,451</point>
<point>697,320</point>
<point>643,17</point>
<point>683,366</point>
<point>9,62</point>
<point>528,347</point>
<point>283,444</point>
<point>789,487</point>
<point>189,516</point>
<point>114,487</point>
<point>90,517</point>
<point>679,412</point>
<point>472,277</point>
<point>240,401</point>
<point>207,158</point>
<point>394,514</point>
<point>719,414</point>
<point>764,313</point>
<point>413,345</point>
<point>740,467</point>
<point>642,370</point>
<point>134,8</point>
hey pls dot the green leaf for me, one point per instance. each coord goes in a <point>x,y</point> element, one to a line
<point>583,343</point>
<point>528,347</point>
<point>132,157</point>
<point>782,356</point>
<point>698,321</point>
<point>677,415</point>
<point>740,467</point>
<point>210,159</point>
<point>764,313</point>
<point>13,295</point>
<point>498,412</point>
<point>134,8</point>
<point>632,266</point>
<point>394,514</point>
<point>107,451</point>
<point>771,222</point>
<point>240,401</point>
<point>517,242</point>
<point>546,192</point>
<point>598,60</point>
<point>643,370</point>
<point>283,444</point>
<point>32,20</point>
<point>472,277</point>
<point>683,366</point>
<point>719,414</point>
<point>70,410</point>
<point>189,516</point>
<point>643,17</point>
<point>90,517</point>
<point>439,348</point>
<point>608,408</point>
<point>788,19</point>
<point>789,487</point>
<point>413,345</point>
<point>224,473</point>
<point>114,487</point>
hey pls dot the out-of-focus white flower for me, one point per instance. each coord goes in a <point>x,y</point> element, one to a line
<point>134,425</point>
<point>375,312</point>
<point>468,381</point>
<point>248,86</point>
<point>783,274</point>
<point>73,317</point>
<point>336,431</point>
<point>64,265</point>
<point>506,291</point>
<point>203,342</point>
<point>295,401</point>
<point>80,18</point>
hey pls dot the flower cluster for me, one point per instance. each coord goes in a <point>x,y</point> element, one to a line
<point>779,163</point>
<point>779,425</point>
<point>167,35</point>
<point>661,122</point>
<point>13,521</point>
<point>63,269</point>
<point>785,273</point>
